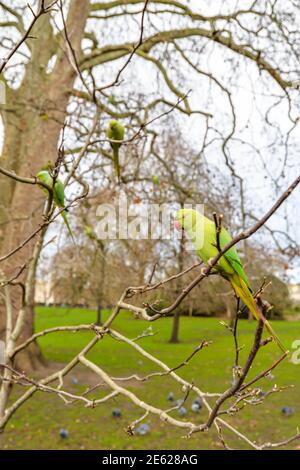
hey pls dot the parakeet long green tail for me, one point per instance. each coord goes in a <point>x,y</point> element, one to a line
<point>65,217</point>
<point>116,161</point>
<point>243,292</point>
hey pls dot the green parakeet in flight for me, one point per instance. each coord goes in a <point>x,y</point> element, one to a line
<point>58,195</point>
<point>229,265</point>
<point>115,131</point>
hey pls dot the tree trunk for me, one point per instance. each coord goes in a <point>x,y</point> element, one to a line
<point>33,118</point>
<point>98,321</point>
<point>175,328</point>
<point>191,308</point>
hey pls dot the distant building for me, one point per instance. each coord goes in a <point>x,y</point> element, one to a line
<point>43,292</point>
<point>294,290</point>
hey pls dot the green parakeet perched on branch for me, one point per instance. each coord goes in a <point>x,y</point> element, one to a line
<point>156,180</point>
<point>115,132</point>
<point>229,265</point>
<point>58,195</point>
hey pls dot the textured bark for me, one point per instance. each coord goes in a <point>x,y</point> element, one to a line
<point>33,119</point>
<point>99,311</point>
<point>175,328</point>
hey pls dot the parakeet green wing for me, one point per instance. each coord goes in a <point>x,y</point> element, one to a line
<point>232,256</point>
<point>59,193</point>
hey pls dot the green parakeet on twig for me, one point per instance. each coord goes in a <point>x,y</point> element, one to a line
<point>58,195</point>
<point>156,180</point>
<point>115,132</point>
<point>229,265</point>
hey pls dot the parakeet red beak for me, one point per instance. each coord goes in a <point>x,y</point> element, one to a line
<point>177,225</point>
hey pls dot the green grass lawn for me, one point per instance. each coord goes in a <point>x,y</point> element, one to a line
<point>37,423</point>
